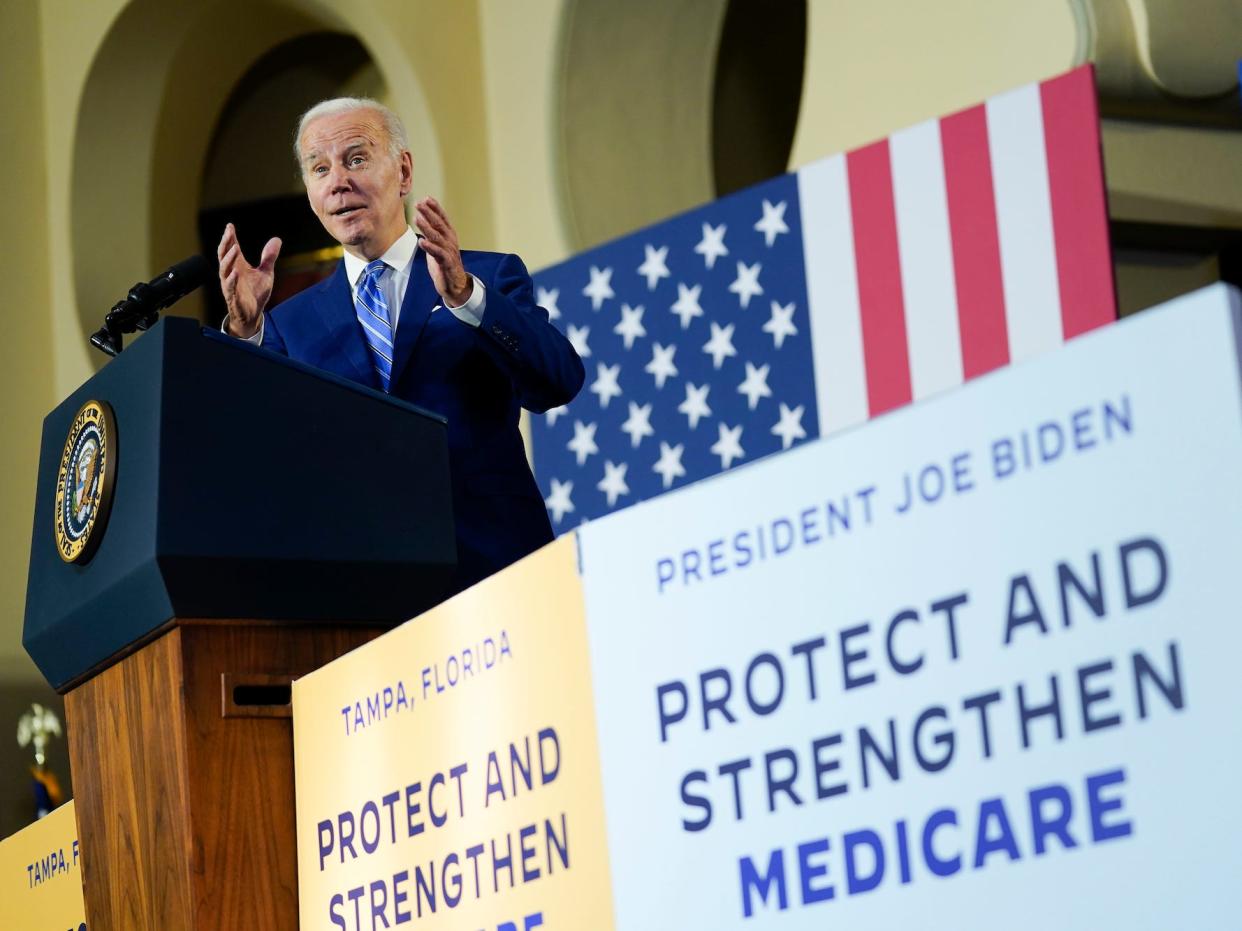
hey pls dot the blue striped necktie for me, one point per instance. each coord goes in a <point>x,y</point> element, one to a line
<point>376,322</point>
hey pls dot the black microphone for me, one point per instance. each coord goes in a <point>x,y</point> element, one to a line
<point>172,284</point>
<point>141,306</point>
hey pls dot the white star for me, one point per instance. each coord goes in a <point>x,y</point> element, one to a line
<point>605,384</point>
<point>554,413</point>
<point>729,445</point>
<point>695,405</point>
<point>712,246</point>
<point>631,325</point>
<point>773,222</point>
<point>780,324</point>
<point>600,289</point>
<point>687,306</point>
<point>583,443</point>
<point>653,267</point>
<point>578,339</point>
<point>721,344</point>
<point>559,502</point>
<point>613,482</point>
<point>746,285</point>
<point>789,427</point>
<point>547,300</point>
<point>669,465</point>
<point>661,364</point>
<point>756,384</point>
<point>638,424</point>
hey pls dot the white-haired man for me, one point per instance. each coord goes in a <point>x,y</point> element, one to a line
<point>455,332</point>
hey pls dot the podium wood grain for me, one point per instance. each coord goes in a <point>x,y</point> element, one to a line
<point>185,816</point>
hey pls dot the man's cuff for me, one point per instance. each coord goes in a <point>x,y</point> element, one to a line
<point>256,339</point>
<point>471,312</point>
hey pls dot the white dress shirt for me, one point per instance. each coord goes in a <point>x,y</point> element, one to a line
<point>400,261</point>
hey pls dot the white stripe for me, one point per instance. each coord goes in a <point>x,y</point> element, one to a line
<point>379,333</point>
<point>375,315</point>
<point>387,341</point>
<point>375,348</point>
<point>370,287</point>
<point>925,244</point>
<point>1024,222</point>
<point>832,293</point>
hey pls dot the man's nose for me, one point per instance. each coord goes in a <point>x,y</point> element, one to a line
<point>338,180</point>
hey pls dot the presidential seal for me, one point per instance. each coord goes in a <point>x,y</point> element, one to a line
<point>84,483</point>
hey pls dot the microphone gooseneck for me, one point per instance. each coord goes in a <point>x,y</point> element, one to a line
<point>140,308</point>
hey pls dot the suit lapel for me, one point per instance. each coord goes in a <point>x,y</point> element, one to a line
<point>421,298</point>
<point>334,302</point>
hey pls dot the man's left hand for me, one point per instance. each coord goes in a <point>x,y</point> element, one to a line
<point>448,273</point>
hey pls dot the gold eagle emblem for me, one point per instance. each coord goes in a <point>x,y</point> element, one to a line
<point>84,482</point>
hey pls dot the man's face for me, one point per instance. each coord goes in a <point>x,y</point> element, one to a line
<point>355,185</point>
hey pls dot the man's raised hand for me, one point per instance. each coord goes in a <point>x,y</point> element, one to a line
<point>448,274</point>
<point>246,287</point>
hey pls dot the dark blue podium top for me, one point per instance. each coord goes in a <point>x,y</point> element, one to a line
<point>246,486</point>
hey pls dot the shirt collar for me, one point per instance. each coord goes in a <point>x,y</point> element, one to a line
<point>398,256</point>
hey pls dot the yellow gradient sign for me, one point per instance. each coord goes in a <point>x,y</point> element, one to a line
<point>41,876</point>
<point>448,772</point>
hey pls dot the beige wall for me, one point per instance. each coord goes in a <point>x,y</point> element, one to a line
<point>115,108</point>
<point>26,377</point>
<point>1174,174</point>
<point>521,59</point>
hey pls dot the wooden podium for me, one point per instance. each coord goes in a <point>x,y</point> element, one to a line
<point>238,553</point>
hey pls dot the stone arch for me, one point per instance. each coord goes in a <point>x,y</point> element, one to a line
<point>634,112</point>
<point>660,109</point>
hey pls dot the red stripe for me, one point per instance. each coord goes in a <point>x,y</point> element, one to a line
<point>976,244</point>
<point>1079,208</point>
<point>885,352</point>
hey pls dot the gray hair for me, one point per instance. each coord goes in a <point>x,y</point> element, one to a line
<point>398,142</point>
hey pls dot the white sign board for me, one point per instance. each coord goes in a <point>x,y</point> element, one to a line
<point>971,665</point>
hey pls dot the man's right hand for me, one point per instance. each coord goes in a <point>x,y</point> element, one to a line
<point>246,287</point>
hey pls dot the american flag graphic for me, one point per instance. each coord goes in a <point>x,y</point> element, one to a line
<point>818,299</point>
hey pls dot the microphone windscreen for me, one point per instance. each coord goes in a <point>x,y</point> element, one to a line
<point>191,272</point>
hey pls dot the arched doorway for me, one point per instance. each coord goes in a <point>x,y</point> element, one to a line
<point>250,178</point>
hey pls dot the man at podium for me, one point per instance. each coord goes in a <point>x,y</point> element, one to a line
<point>455,332</point>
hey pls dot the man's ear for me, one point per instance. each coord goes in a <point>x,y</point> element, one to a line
<point>407,173</point>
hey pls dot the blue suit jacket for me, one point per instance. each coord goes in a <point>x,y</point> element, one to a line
<point>475,377</point>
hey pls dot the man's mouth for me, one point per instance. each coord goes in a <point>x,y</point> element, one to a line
<point>346,211</point>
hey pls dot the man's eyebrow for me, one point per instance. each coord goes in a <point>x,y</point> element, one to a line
<point>360,143</point>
